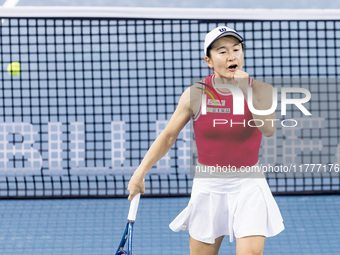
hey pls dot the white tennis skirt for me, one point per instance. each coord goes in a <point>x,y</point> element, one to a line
<point>229,206</point>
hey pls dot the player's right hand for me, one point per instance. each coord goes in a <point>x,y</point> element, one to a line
<point>136,185</point>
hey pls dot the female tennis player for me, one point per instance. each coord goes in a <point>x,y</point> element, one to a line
<point>234,203</point>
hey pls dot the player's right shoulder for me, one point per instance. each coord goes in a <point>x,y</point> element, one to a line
<point>192,93</point>
<point>195,94</point>
<point>195,90</point>
<point>190,98</point>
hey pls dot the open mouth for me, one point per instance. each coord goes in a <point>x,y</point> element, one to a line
<point>232,67</point>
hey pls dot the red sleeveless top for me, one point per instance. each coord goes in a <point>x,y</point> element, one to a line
<point>224,139</point>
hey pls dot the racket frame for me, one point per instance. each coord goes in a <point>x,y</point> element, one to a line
<point>127,236</point>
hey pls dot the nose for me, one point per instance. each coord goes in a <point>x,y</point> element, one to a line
<point>231,57</point>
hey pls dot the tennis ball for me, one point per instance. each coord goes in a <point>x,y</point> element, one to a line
<point>13,68</point>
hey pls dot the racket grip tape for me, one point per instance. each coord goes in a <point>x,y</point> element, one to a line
<point>133,208</point>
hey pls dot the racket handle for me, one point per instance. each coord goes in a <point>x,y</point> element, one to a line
<point>133,208</point>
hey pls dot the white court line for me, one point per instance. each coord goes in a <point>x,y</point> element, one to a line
<point>9,4</point>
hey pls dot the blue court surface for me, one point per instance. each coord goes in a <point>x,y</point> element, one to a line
<point>95,226</point>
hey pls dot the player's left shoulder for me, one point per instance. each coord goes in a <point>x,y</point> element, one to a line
<point>260,85</point>
<point>262,90</point>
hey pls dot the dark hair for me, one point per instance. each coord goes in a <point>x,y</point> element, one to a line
<point>209,49</point>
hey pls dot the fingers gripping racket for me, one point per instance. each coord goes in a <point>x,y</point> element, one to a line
<point>127,236</point>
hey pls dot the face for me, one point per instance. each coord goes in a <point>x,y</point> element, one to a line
<point>226,56</point>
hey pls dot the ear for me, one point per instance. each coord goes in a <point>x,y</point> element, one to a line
<point>209,62</point>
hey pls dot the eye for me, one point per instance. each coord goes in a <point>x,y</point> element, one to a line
<point>222,52</point>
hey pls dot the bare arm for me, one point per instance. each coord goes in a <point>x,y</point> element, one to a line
<point>162,144</point>
<point>262,100</point>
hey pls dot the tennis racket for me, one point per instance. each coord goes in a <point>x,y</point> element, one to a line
<point>127,236</point>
